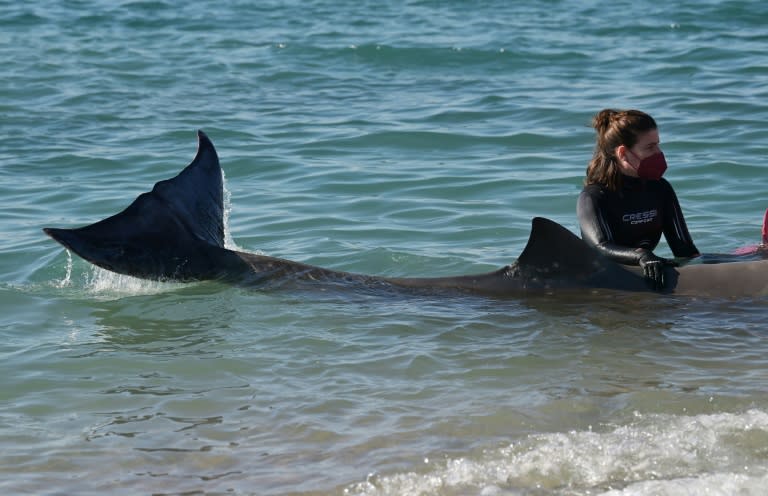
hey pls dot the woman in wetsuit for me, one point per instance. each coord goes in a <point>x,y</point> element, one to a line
<point>625,205</point>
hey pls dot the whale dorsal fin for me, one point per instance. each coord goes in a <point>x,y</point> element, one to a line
<point>553,249</point>
<point>557,257</point>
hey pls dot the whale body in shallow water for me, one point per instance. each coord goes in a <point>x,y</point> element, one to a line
<point>176,232</point>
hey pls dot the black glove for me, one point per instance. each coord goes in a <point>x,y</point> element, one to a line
<point>653,269</point>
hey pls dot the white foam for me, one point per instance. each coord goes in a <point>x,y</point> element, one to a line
<point>709,485</point>
<point>716,454</point>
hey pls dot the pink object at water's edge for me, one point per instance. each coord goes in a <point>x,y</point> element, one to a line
<point>752,249</point>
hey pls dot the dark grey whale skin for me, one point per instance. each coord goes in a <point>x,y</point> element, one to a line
<point>176,232</point>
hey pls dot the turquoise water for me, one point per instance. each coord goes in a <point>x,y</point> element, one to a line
<point>402,138</point>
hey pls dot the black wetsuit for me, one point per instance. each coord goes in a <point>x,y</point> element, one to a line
<point>618,223</point>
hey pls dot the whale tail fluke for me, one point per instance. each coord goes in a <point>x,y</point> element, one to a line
<point>162,230</point>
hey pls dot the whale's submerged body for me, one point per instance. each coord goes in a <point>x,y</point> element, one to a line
<point>176,232</point>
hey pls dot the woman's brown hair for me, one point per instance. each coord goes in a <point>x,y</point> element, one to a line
<point>614,128</point>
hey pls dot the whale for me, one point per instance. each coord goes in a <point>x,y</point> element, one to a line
<point>176,232</point>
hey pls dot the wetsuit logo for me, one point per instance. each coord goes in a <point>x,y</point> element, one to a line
<point>640,217</point>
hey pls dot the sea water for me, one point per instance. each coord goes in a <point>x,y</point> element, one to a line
<point>407,138</point>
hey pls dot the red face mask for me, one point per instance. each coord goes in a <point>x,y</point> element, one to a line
<point>652,167</point>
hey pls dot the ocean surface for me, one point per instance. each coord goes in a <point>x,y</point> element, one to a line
<point>405,138</point>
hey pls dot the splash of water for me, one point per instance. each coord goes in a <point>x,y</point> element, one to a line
<point>67,279</point>
<point>103,283</point>
<point>228,241</point>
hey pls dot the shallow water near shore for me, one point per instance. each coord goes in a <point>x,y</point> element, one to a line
<point>405,139</point>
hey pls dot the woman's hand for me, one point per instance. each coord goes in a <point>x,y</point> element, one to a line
<point>653,269</point>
